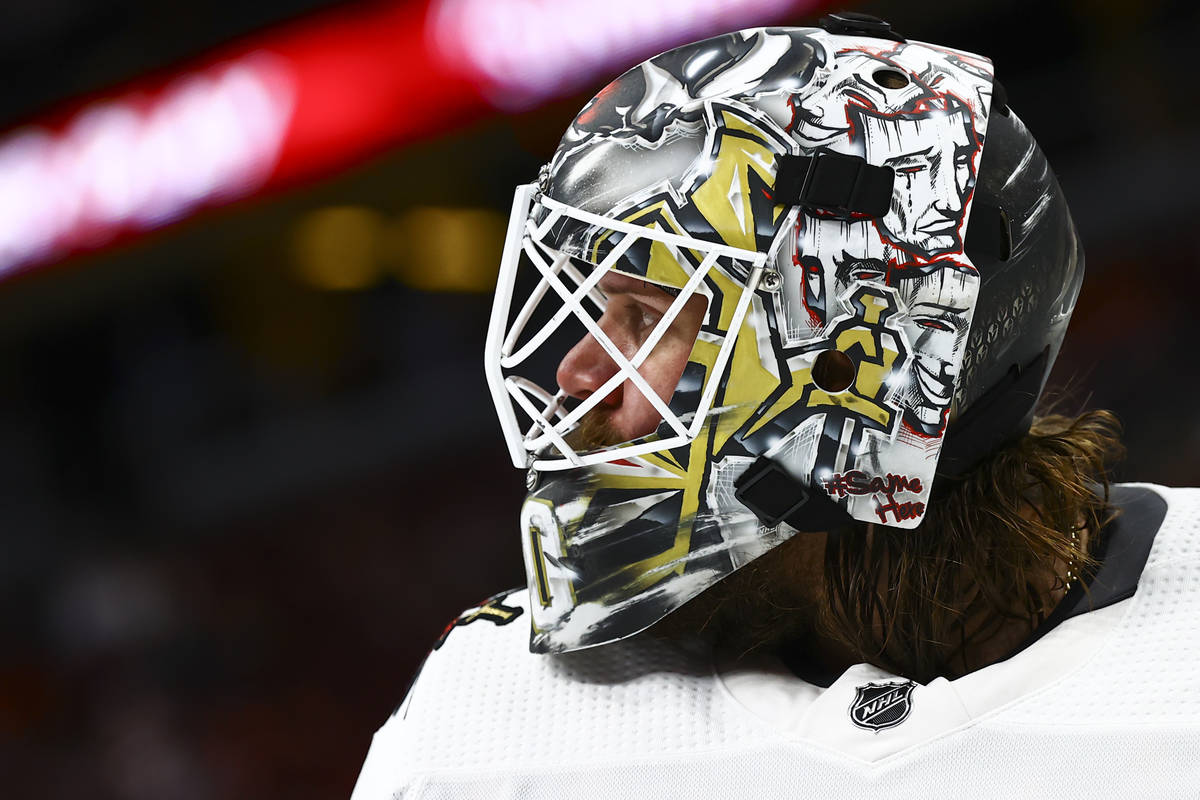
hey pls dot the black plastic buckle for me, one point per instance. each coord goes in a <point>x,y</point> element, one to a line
<point>834,182</point>
<point>769,491</point>
<point>853,23</point>
<point>775,496</point>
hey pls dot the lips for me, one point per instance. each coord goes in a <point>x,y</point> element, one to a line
<point>935,387</point>
<point>810,125</point>
<point>939,227</point>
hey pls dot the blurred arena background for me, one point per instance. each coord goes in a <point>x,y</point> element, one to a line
<point>248,464</point>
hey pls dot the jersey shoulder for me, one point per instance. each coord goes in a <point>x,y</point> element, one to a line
<point>1177,512</point>
<point>483,704</point>
<point>1142,671</point>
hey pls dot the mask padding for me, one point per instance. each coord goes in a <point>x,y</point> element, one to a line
<point>1002,414</point>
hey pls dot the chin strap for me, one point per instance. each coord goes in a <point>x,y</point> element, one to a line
<point>1002,414</point>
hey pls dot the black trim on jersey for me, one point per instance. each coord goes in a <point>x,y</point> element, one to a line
<point>1121,553</point>
<point>412,683</point>
<point>492,609</point>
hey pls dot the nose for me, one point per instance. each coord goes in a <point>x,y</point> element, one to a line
<point>951,202</point>
<point>585,369</point>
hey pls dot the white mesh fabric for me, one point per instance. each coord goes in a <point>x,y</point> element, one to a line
<point>485,710</point>
<point>1147,671</point>
<point>483,700</point>
<point>1182,545</point>
<point>641,718</point>
<point>977,763</point>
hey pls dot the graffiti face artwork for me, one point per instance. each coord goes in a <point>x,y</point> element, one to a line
<point>937,298</point>
<point>939,306</point>
<point>649,140</point>
<point>832,254</point>
<point>928,137</point>
<point>931,156</point>
<point>819,117</point>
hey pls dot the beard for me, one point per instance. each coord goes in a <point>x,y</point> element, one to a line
<point>774,602</point>
<point>595,431</point>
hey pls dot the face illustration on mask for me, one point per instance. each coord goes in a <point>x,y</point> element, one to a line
<point>936,298</point>
<point>820,120</point>
<point>849,251</point>
<point>938,302</point>
<point>931,155</point>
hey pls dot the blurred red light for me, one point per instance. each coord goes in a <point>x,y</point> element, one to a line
<point>311,98</point>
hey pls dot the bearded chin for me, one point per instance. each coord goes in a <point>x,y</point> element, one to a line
<point>595,431</point>
<point>774,600</point>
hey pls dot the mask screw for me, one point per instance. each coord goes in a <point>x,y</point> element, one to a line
<point>531,480</point>
<point>770,280</point>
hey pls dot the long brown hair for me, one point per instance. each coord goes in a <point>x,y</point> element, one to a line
<point>995,552</point>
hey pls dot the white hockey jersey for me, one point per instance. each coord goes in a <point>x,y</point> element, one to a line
<point>1106,704</point>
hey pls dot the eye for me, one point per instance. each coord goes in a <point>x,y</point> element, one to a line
<point>912,170</point>
<point>650,316</point>
<point>867,275</point>
<point>654,288</point>
<point>648,312</point>
<point>934,324</point>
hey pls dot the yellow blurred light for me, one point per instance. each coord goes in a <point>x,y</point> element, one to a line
<point>337,248</point>
<point>447,249</point>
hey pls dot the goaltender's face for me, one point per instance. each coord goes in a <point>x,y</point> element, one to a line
<point>631,314</point>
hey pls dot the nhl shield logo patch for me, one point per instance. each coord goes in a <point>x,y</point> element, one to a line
<point>878,706</point>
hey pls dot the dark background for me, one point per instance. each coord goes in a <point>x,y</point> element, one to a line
<point>237,507</point>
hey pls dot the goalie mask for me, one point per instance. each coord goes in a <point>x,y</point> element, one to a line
<point>770,283</point>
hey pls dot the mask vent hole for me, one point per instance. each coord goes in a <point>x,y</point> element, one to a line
<point>833,371</point>
<point>890,78</point>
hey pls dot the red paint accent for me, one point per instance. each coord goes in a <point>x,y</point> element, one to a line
<point>856,482</point>
<point>902,511</point>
